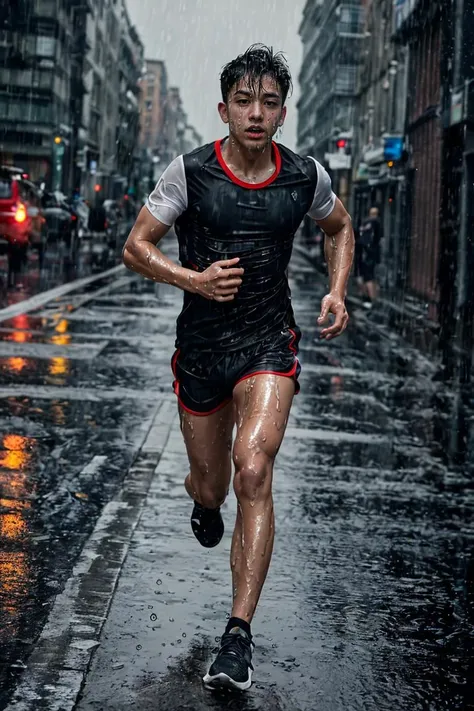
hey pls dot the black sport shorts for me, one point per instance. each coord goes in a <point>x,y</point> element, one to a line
<point>204,382</point>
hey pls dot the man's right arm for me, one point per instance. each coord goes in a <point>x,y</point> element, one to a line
<point>141,254</point>
<point>219,282</point>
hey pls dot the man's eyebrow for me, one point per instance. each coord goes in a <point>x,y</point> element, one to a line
<point>267,94</point>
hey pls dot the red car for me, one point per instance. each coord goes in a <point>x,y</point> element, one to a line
<point>22,222</point>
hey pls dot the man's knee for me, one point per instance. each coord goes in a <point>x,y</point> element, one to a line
<point>253,477</point>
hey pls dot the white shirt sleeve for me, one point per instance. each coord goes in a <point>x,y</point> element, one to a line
<point>324,198</point>
<point>169,199</point>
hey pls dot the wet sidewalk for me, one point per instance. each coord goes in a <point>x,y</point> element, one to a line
<point>368,602</point>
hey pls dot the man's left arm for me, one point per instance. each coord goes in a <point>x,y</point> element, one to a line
<point>339,253</point>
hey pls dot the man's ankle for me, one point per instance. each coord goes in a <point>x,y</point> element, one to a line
<point>238,622</point>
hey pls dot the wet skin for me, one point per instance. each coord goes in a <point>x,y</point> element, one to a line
<point>260,410</point>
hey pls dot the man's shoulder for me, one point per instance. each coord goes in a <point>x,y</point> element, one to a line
<point>305,163</point>
<point>200,154</point>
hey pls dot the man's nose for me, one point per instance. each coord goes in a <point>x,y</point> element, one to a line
<point>256,110</point>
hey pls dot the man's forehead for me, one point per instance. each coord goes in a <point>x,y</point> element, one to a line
<point>256,85</point>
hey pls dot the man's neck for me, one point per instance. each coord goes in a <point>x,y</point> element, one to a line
<point>246,162</point>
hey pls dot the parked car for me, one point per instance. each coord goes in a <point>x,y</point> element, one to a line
<point>22,220</point>
<point>61,219</point>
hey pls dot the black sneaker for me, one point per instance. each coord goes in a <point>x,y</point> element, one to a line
<point>232,668</point>
<point>207,525</point>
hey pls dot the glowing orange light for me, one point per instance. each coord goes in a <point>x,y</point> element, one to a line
<point>20,214</point>
<point>62,326</point>
<point>12,526</point>
<point>390,163</point>
<point>58,366</point>
<point>97,188</point>
<point>16,364</point>
<point>57,140</point>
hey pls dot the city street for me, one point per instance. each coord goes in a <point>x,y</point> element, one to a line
<point>107,601</point>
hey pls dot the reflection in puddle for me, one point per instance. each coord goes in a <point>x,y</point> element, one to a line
<point>58,412</point>
<point>16,364</point>
<point>16,456</point>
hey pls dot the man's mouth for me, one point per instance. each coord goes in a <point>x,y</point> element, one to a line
<point>255,132</point>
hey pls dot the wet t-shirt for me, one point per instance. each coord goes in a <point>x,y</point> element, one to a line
<point>218,216</point>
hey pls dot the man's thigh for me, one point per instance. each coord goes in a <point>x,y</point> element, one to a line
<point>263,404</point>
<point>208,441</point>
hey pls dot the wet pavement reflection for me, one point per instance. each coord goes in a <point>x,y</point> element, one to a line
<point>369,600</point>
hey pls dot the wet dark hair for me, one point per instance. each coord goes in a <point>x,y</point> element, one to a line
<point>258,61</point>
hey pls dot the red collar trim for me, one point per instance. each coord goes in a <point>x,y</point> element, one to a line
<point>242,183</point>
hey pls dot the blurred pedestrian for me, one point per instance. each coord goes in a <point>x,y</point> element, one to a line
<point>236,204</point>
<point>368,245</point>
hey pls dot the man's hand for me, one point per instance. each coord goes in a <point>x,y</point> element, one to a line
<point>219,282</point>
<point>333,304</point>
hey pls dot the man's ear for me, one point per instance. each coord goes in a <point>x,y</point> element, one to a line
<point>283,116</point>
<point>223,113</point>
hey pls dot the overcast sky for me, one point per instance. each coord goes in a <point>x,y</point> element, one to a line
<point>197,37</point>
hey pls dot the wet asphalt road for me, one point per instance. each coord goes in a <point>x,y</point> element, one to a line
<point>369,600</point>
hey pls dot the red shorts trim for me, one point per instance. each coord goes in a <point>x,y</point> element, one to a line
<point>289,374</point>
<point>204,414</point>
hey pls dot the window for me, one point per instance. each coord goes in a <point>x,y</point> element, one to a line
<point>45,46</point>
<point>98,47</point>
<point>150,90</point>
<point>149,105</point>
<point>5,188</point>
<point>346,79</point>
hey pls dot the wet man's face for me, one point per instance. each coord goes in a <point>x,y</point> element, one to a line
<point>254,112</point>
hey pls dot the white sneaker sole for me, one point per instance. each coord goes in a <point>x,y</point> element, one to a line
<point>222,681</point>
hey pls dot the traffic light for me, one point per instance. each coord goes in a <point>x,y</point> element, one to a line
<point>342,145</point>
<point>58,140</point>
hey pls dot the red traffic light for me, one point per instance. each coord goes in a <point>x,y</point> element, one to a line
<point>341,143</point>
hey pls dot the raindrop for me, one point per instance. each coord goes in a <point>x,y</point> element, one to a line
<point>178,641</point>
<point>153,617</point>
<point>171,619</point>
<point>159,582</point>
<point>150,607</point>
<point>184,634</point>
<point>139,646</point>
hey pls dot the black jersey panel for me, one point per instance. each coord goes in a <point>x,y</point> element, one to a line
<point>225,220</point>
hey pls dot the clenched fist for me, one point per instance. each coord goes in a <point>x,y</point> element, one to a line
<point>220,281</point>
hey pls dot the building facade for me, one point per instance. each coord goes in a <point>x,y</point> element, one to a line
<point>69,74</point>
<point>419,29</point>
<point>332,34</point>
<point>131,68</point>
<point>35,89</point>
<point>153,93</point>
<point>456,258</point>
<point>379,155</point>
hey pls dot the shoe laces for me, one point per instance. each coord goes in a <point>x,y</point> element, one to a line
<point>233,644</point>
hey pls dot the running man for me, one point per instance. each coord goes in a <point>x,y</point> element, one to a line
<point>235,205</point>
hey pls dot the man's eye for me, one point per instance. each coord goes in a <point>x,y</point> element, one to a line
<point>271,103</point>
